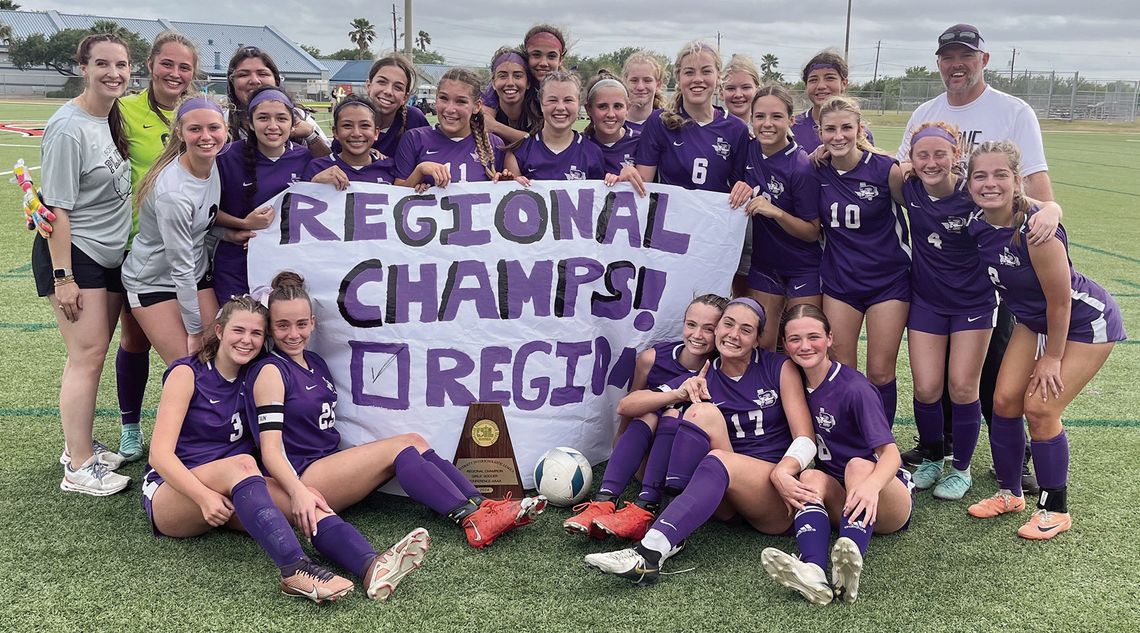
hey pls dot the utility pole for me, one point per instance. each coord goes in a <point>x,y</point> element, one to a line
<point>877,46</point>
<point>1011,60</point>
<point>847,36</point>
<point>394,49</point>
<point>408,41</point>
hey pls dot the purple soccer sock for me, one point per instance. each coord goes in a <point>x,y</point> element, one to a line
<point>1051,461</point>
<point>132,369</point>
<point>689,448</point>
<point>966,420</point>
<point>627,455</point>
<point>928,419</point>
<point>813,531</point>
<point>344,545</point>
<point>856,531</point>
<point>264,522</point>
<point>693,507</point>
<point>658,462</point>
<point>462,483</point>
<point>889,393</point>
<point>1007,443</point>
<point>426,484</point>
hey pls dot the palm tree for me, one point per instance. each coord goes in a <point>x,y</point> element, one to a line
<point>768,63</point>
<point>362,34</point>
<point>112,27</point>
<point>423,40</point>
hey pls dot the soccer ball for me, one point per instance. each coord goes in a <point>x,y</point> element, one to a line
<point>563,476</point>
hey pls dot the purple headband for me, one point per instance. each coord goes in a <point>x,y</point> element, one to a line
<point>269,95</point>
<point>752,305</point>
<point>198,103</point>
<point>933,131</point>
<point>509,56</point>
<point>822,66</point>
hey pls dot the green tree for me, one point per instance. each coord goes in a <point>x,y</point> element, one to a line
<point>768,65</point>
<point>58,51</point>
<point>8,5</point>
<point>362,34</point>
<point>427,57</point>
<point>347,54</point>
<point>423,40</point>
<point>311,50</point>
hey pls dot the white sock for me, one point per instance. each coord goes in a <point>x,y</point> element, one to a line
<point>657,541</point>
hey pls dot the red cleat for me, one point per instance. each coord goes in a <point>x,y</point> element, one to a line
<point>495,518</point>
<point>583,522</point>
<point>631,522</point>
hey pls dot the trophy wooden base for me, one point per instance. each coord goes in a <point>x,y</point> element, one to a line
<point>485,453</point>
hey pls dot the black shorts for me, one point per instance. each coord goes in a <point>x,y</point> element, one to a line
<point>148,299</point>
<point>88,273</point>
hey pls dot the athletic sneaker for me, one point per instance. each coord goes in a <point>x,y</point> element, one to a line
<point>641,565</point>
<point>131,443</point>
<point>107,457</point>
<point>631,522</point>
<point>1002,502</point>
<point>1029,481</point>
<point>1045,525</point>
<point>806,578</point>
<point>846,567</point>
<point>495,518</point>
<point>954,485</point>
<point>583,522</point>
<point>93,478</point>
<point>388,569</point>
<point>316,583</point>
<point>915,456</point>
<point>927,474</point>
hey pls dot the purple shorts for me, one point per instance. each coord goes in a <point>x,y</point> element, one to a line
<point>925,319</point>
<point>151,481</point>
<point>899,290</point>
<point>1108,327</point>
<point>794,286</point>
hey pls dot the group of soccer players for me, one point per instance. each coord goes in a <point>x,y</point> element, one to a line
<point>759,407</point>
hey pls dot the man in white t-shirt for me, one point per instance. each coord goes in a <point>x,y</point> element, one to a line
<point>983,114</point>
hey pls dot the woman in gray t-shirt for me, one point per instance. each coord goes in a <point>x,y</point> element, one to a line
<point>87,183</point>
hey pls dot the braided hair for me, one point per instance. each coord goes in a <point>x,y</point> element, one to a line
<point>483,146</point>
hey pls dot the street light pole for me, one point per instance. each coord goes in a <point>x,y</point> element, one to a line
<point>847,36</point>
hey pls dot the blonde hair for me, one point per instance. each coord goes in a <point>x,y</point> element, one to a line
<point>1012,155</point>
<point>672,117</point>
<point>175,146</point>
<point>244,303</point>
<point>562,77</point>
<point>656,68</point>
<point>844,103</point>
<point>483,146</point>
<point>740,63</point>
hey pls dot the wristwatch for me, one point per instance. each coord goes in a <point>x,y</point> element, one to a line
<point>60,273</point>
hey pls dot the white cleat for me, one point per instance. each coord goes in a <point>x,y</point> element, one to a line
<point>389,568</point>
<point>846,567</point>
<point>806,578</point>
<point>93,478</point>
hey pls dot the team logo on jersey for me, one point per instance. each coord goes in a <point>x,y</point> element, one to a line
<point>954,224</point>
<point>722,147</point>
<point>766,398</point>
<point>575,173</point>
<point>867,192</point>
<point>775,187</point>
<point>627,161</point>
<point>824,420</point>
<point>330,386</point>
<point>1009,259</point>
<point>475,156</point>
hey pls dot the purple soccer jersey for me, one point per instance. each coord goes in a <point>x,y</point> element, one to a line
<point>667,365</point>
<point>582,160</point>
<point>946,274</point>
<point>640,127</point>
<point>807,135</point>
<point>1095,316</point>
<point>308,431</point>
<point>389,139</point>
<point>751,405</point>
<point>216,423</point>
<point>693,156</point>
<point>789,180</point>
<point>866,247</point>
<point>849,420</point>
<point>620,153</point>
<point>461,158</point>
<point>242,193</point>
<point>378,171</point>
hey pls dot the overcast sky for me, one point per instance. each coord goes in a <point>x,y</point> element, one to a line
<point>1099,38</point>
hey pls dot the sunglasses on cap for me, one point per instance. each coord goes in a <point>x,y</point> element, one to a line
<point>971,37</point>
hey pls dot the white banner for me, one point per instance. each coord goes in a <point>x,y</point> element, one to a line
<point>536,298</point>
